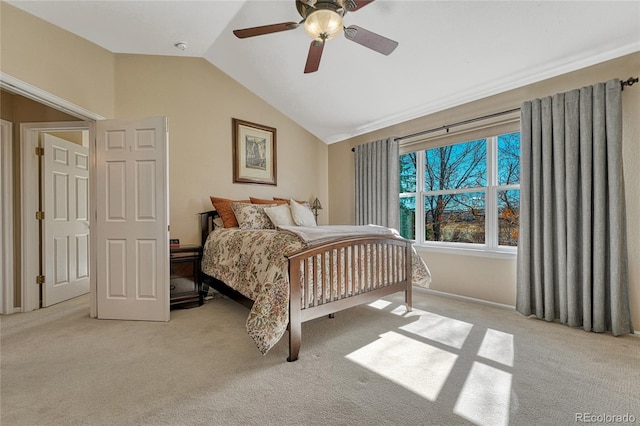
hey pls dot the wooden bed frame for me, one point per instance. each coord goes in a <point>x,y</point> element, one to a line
<point>390,272</point>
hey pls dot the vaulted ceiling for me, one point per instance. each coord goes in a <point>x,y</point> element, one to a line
<point>449,52</point>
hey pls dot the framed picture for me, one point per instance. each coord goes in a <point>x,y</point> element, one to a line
<point>254,153</point>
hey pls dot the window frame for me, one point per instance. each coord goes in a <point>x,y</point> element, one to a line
<point>490,248</point>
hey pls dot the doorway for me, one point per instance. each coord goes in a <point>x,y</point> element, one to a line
<point>53,276</point>
<point>23,103</point>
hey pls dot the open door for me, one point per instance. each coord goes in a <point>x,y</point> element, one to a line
<point>132,219</point>
<point>65,181</point>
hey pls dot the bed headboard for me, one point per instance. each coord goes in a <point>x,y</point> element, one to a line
<point>206,224</point>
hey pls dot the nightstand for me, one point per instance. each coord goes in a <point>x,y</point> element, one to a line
<point>184,281</point>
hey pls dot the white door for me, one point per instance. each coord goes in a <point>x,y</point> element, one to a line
<point>65,185</point>
<point>132,219</point>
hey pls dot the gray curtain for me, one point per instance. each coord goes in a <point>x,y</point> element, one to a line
<point>572,250</point>
<point>377,183</point>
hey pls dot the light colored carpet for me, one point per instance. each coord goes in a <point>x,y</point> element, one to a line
<point>449,362</point>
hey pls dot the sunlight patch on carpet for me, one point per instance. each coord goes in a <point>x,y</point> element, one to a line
<point>484,398</point>
<point>380,304</point>
<point>448,331</point>
<point>417,366</point>
<point>497,346</point>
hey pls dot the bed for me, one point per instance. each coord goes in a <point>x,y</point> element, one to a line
<point>287,276</point>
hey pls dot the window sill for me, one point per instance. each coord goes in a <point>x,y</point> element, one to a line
<point>467,250</point>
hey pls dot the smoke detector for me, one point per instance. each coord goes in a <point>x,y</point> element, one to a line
<point>181,45</point>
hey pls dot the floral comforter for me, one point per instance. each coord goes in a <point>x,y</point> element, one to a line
<point>254,263</point>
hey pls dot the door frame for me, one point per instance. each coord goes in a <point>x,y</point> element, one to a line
<point>6,227</point>
<point>30,184</point>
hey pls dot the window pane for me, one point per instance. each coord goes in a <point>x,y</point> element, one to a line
<point>408,172</point>
<point>509,159</point>
<point>455,217</point>
<point>408,217</point>
<point>508,217</point>
<point>462,165</point>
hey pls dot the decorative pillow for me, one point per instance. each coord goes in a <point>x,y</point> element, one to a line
<point>252,216</point>
<point>223,207</point>
<point>302,215</point>
<point>261,201</point>
<point>218,223</point>
<point>280,215</point>
<point>304,203</point>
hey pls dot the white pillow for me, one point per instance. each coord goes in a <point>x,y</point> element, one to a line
<point>280,215</point>
<point>302,215</point>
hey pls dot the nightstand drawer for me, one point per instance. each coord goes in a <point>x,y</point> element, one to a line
<point>184,283</point>
<point>183,268</point>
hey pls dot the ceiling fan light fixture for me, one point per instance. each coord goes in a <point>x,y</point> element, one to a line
<point>323,24</point>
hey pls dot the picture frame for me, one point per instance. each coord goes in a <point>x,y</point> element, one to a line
<point>254,153</point>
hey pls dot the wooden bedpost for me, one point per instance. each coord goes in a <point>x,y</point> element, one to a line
<point>408,296</point>
<point>206,225</point>
<point>295,320</point>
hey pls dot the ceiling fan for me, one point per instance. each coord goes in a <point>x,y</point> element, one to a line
<point>322,20</point>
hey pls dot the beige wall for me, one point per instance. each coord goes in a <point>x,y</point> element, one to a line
<point>56,61</point>
<point>200,101</point>
<point>18,109</point>
<point>488,278</point>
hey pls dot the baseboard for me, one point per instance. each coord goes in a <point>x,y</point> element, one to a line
<point>636,333</point>
<point>465,298</point>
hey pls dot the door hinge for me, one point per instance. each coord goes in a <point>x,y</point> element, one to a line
<point>39,150</point>
<point>40,215</point>
<point>40,279</point>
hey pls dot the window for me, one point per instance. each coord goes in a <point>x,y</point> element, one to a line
<point>467,194</point>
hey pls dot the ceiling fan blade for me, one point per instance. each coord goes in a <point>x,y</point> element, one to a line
<point>353,5</point>
<point>313,58</point>
<point>371,40</point>
<point>265,29</point>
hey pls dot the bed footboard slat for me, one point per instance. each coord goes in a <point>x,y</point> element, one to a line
<point>326,291</point>
<point>362,268</point>
<point>342,289</point>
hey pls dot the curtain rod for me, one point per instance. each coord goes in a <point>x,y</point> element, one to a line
<point>628,82</point>
<point>459,123</point>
